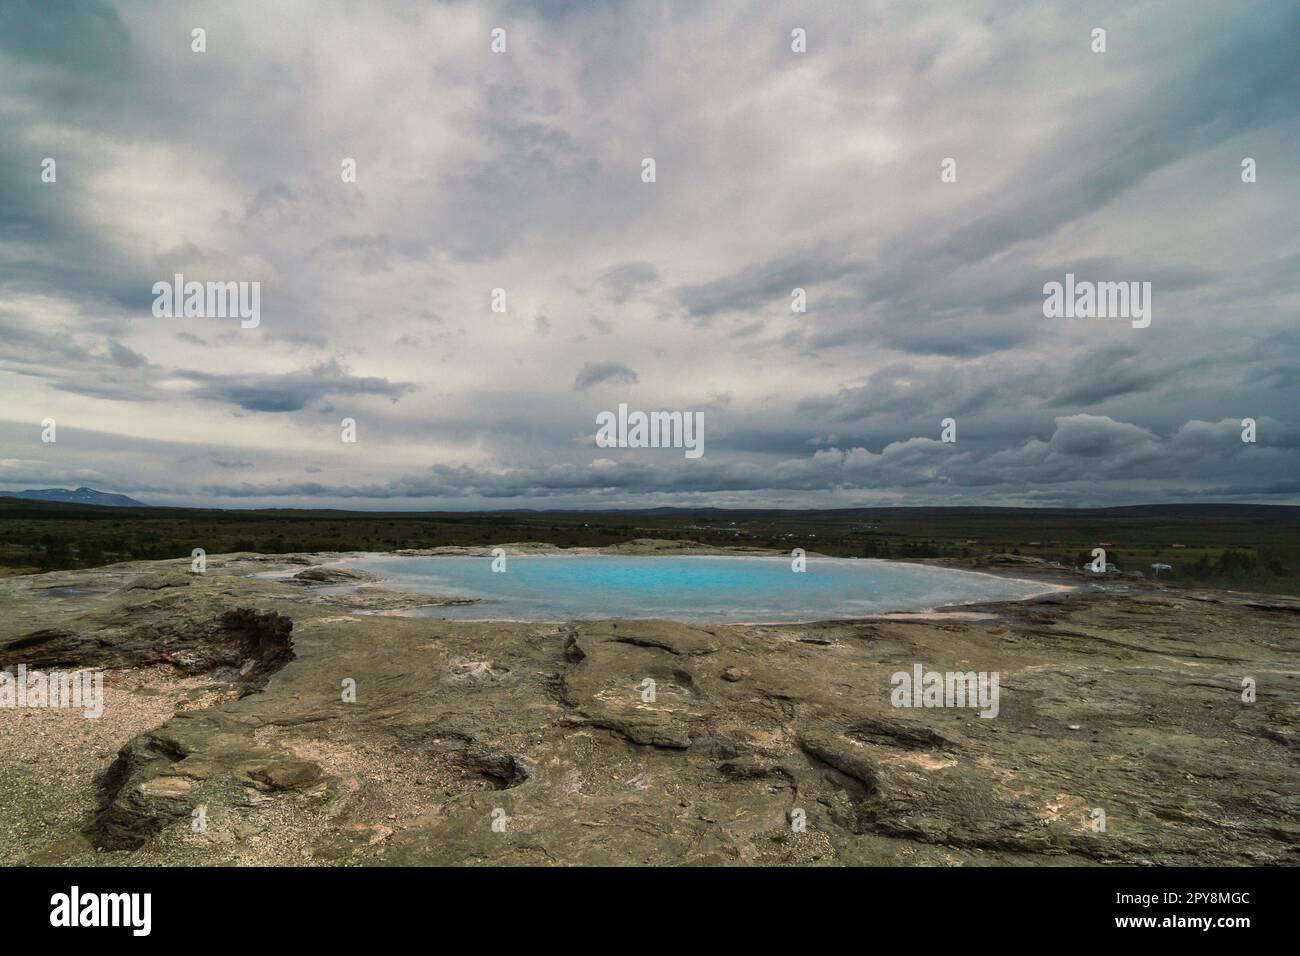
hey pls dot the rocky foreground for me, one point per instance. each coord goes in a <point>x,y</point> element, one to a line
<point>228,735</point>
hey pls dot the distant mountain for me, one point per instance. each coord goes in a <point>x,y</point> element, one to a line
<point>82,496</point>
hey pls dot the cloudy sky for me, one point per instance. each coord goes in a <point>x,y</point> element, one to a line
<point>775,170</point>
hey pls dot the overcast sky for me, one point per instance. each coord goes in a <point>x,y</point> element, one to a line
<point>522,171</point>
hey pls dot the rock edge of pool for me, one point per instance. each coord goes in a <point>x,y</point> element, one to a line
<point>829,588</point>
<point>225,701</point>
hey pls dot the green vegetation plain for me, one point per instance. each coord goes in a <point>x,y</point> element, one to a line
<point>1244,547</point>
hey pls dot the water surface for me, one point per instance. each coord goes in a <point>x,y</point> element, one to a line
<point>698,589</point>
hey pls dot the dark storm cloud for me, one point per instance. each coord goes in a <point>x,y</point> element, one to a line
<point>603,373</point>
<point>78,53</point>
<point>125,357</point>
<point>291,392</point>
<point>761,285</point>
<point>1076,466</point>
<point>624,280</point>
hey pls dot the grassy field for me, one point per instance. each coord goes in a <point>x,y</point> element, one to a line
<point>1250,547</point>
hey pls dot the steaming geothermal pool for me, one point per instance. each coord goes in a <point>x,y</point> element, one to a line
<point>697,589</point>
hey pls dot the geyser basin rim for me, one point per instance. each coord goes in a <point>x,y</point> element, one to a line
<point>698,588</point>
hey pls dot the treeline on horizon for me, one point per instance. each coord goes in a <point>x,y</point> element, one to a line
<point>1240,547</point>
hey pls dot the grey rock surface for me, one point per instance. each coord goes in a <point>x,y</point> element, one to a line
<point>517,743</point>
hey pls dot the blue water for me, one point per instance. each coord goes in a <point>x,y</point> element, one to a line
<point>700,589</point>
